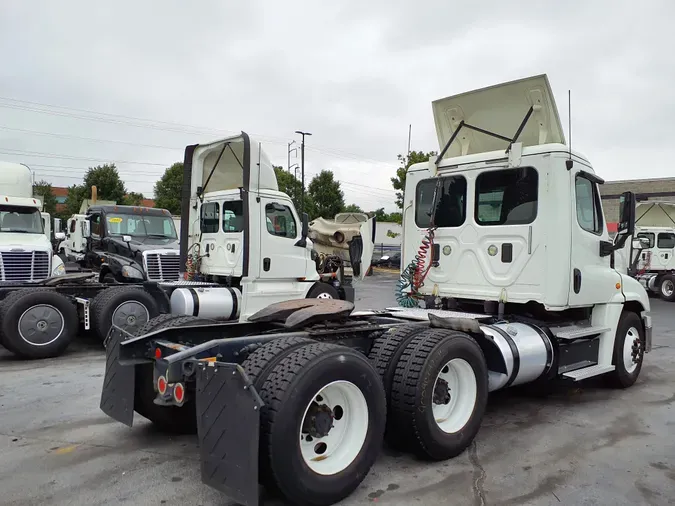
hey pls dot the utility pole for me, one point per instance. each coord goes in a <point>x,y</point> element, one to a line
<point>289,154</point>
<point>302,168</point>
<point>409,134</point>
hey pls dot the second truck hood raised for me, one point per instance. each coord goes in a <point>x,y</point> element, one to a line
<point>135,248</point>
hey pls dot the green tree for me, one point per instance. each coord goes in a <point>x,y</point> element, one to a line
<point>398,182</point>
<point>76,194</point>
<point>327,198</point>
<point>43,190</point>
<point>289,185</point>
<point>108,184</point>
<point>133,199</point>
<point>352,208</point>
<point>168,189</point>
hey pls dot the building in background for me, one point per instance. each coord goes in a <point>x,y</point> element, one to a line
<point>662,189</point>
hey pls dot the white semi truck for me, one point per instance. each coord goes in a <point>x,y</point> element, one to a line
<point>653,251</point>
<point>25,249</point>
<point>504,241</point>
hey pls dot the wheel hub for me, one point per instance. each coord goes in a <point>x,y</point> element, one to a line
<point>42,325</point>
<point>442,392</point>
<point>319,420</point>
<point>635,350</point>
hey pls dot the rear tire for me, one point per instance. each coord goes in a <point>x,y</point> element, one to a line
<point>322,291</point>
<point>128,307</point>
<point>37,323</point>
<point>352,407</point>
<point>439,394</point>
<point>628,351</point>
<point>667,287</point>
<point>171,419</point>
<point>384,355</point>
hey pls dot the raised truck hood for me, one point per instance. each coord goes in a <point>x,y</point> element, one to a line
<point>499,109</point>
<point>350,241</point>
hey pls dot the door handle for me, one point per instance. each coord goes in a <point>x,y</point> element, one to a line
<point>577,280</point>
<point>266,264</point>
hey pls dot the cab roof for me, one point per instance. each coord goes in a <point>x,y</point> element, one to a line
<point>148,211</point>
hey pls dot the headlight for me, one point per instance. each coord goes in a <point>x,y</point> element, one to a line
<point>131,272</point>
<point>59,270</point>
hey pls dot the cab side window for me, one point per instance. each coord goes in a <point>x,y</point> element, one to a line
<point>73,224</point>
<point>507,197</point>
<point>233,216</point>
<point>280,221</point>
<point>95,221</point>
<point>209,218</point>
<point>666,240</point>
<point>589,213</point>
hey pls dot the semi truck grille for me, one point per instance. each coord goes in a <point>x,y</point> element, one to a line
<point>24,265</point>
<point>162,266</point>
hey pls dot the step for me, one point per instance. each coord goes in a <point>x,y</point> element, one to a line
<point>588,372</point>
<point>575,332</point>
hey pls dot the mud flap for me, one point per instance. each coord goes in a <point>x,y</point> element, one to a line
<point>117,396</point>
<point>228,425</point>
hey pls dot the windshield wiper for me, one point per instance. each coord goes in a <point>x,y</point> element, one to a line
<point>21,232</point>
<point>160,235</point>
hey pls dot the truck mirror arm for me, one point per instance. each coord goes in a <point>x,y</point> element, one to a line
<point>302,242</point>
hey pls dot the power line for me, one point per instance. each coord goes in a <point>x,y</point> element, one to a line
<point>67,136</point>
<point>39,154</point>
<point>157,125</point>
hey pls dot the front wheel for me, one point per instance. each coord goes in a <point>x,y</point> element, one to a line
<point>322,424</point>
<point>628,351</point>
<point>322,291</point>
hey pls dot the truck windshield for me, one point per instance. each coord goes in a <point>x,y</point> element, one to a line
<point>23,220</point>
<point>141,226</point>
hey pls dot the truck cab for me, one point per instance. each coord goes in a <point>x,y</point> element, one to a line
<point>240,231</point>
<point>25,250</point>
<point>124,243</point>
<point>516,223</point>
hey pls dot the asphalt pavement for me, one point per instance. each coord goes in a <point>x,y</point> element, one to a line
<point>579,446</point>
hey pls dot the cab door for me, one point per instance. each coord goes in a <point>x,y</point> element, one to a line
<point>280,230</point>
<point>592,280</point>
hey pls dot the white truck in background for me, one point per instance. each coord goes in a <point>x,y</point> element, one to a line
<point>25,250</point>
<point>652,252</point>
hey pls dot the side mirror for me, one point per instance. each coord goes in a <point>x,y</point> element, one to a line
<point>640,243</point>
<point>126,238</point>
<point>57,226</point>
<point>86,229</point>
<point>59,236</point>
<point>626,225</point>
<point>304,231</point>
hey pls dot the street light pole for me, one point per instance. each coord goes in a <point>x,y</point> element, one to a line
<point>302,169</point>
<point>289,154</point>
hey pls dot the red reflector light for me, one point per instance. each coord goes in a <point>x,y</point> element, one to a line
<point>161,385</point>
<point>179,393</point>
<point>158,353</point>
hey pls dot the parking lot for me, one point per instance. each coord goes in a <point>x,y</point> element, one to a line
<point>588,445</point>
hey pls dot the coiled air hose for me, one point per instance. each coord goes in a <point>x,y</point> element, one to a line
<point>413,276</point>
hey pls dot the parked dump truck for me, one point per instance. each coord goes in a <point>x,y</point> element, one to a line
<point>238,254</point>
<point>300,396</point>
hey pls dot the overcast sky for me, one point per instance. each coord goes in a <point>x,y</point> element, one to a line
<point>355,74</point>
